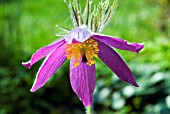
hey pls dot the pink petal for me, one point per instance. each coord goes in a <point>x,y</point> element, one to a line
<point>49,67</point>
<point>78,34</point>
<point>119,43</point>
<point>42,52</point>
<point>112,59</point>
<point>83,81</point>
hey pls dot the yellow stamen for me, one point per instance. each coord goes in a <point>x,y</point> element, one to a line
<point>87,49</point>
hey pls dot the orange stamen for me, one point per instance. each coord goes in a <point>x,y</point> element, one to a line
<point>76,51</point>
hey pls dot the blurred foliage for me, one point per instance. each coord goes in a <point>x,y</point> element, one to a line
<point>26,25</point>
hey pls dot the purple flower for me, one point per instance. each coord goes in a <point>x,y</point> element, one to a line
<point>81,46</point>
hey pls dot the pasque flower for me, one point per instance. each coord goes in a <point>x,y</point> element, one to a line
<point>81,45</point>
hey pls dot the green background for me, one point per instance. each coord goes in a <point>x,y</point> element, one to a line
<point>27,25</point>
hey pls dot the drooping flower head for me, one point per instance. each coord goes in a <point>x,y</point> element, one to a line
<point>81,45</point>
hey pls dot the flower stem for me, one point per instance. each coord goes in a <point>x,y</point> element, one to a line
<point>89,110</point>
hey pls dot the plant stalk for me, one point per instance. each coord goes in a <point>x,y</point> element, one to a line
<point>89,110</point>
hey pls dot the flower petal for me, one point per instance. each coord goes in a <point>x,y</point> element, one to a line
<point>42,52</point>
<point>83,81</point>
<point>49,67</point>
<point>119,43</point>
<point>115,63</point>
<point>78,34</point>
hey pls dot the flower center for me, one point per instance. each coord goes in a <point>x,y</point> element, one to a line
<point>82,52</point>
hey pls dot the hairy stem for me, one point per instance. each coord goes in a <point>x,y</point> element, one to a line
<point>89,110</point>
